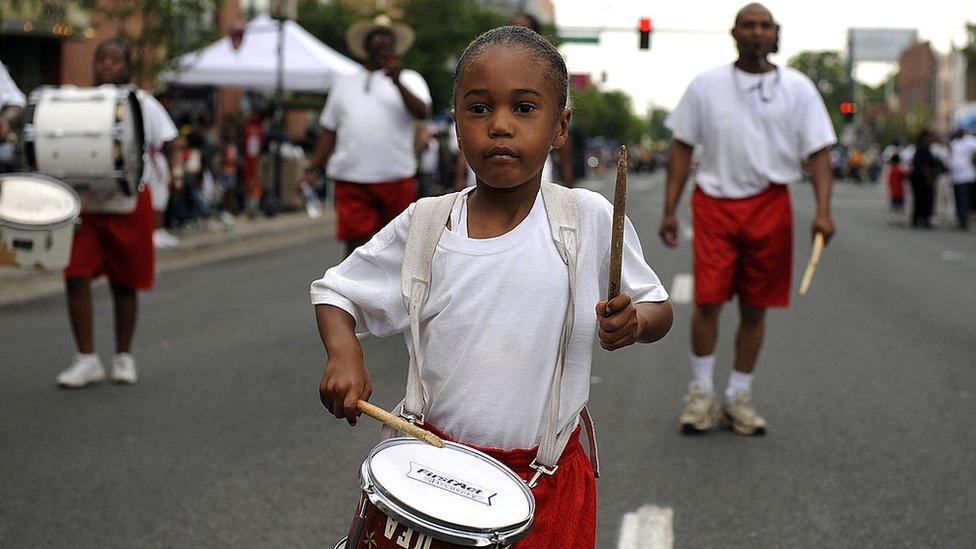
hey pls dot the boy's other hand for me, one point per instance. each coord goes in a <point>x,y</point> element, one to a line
<point>344,383</point>
<point>619,323</point>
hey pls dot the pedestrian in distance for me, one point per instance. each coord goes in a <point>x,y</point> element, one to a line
<point>114,238</point>
<point>757,124</point>
<point>962,170</point>
<point>487,375</point>
<point>926,168</point>
<point>368,138</point>
<point>897,174</point>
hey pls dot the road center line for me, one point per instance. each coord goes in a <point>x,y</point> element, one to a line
<point>649,527</point>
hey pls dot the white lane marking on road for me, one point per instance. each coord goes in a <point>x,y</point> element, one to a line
<point>953,255</point>
<point>683,288</point>
<point>649,527</point>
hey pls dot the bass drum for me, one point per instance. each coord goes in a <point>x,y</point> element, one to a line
<point>37,221</point>
<point>91,138</point>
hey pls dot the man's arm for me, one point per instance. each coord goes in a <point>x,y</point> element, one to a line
<point>679,166</point>
<point>823,182</point>
<point>415,105</point>
<point>323,150</point>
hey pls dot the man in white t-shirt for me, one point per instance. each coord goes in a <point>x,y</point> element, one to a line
<point>962,170</point>
<point>114,238</point>
<point>755,124</point>
<point>12,102</point>
<point>368,142</point>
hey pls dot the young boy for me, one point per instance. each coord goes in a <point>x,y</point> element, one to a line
<point>115,237</point>
<point>491,327</point>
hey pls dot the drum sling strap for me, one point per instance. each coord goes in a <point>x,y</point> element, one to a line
<point>427,223</point>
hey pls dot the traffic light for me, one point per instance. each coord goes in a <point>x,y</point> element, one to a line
<point>644,28</point>
<point>848,108</point>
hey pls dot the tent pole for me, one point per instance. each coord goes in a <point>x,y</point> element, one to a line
<point>279,115</point>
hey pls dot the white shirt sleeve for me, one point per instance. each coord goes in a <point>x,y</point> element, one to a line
<point>685,120</point>
<point>367,283</point>
<point>10,94</point>
<point>158,125</point>
<point>637,279</point>
<point>416,84</point>
<point>816,131</point>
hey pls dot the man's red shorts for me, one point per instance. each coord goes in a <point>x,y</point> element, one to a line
<point>565,503</point>
<point>117,245</point>
<point>362,209</point>
<point>743,246</point>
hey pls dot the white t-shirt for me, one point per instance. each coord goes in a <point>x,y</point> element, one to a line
<point>374,129</point>
<point>492,323</point>
<point>754,129</point>
<point>10,94</point>
<point>961,167</point>
<point>159,129</point>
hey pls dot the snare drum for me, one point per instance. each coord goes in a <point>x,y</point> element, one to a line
<point>92,138</point>
<point>37,220</point>
<point>422,497</point>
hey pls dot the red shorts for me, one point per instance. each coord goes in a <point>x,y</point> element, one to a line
<point>362,209</point>
<point>565,503</point>
<point>118,245</point>
<point>743,246</point>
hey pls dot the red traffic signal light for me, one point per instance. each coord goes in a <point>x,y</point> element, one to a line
<point>644,27</point>
<point>848,108</point>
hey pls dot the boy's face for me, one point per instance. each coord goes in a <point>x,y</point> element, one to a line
<point>110,67</point>
<point>508,117</point>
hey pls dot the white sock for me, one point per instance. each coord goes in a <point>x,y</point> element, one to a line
<point>87,356</point>
<point>701,370</point>
<point>738,382</point>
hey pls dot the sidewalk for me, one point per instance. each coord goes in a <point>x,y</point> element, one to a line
<point>197,246</point>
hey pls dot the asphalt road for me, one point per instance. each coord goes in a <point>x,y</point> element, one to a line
<point>869,385</point>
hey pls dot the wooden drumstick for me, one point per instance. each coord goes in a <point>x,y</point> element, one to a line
<point>400,424</point>
<point>818,246</point>
<point>617,234</point>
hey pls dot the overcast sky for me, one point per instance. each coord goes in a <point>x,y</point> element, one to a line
<point>659,76</point>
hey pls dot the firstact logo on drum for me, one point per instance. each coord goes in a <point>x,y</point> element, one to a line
<point>446,482</point>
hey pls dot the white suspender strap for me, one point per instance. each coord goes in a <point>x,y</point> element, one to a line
<point>562,210</point>
<point>427,222</point>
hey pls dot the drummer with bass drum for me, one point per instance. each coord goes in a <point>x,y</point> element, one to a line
<point>115,238</point>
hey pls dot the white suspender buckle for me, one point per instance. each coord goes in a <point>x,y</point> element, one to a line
<point>416,419</point>
<point>540,470</point>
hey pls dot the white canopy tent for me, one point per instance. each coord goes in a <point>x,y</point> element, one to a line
<point>310,65</point>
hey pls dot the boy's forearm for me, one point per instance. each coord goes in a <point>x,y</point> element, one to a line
<point>337,328</point>
<point>654,319</point>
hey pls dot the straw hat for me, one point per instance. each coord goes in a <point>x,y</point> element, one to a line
<point>357,34</point>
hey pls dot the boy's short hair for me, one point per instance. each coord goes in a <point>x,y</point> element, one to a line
<point>557,74</point>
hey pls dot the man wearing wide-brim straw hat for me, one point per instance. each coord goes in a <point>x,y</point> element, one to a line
<point>368,121</point>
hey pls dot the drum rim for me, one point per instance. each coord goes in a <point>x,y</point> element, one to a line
<point>51,225</point>
<point>455,533</point>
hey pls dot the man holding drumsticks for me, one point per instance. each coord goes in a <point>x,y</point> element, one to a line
<point>757,124</point>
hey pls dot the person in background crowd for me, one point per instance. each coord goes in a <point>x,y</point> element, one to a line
<point>428,171</point>
<point>115,238</point>
<point>926,168</point>
<point>962,170</point>
<point>12,102</point>
<point>368,142</point>
<point>253,143</point>
<point>756,124</point>
<point>896,185</point>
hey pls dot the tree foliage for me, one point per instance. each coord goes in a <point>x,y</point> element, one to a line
<point>158,30</point>
<point>607,114</point>
<point>827,71</point>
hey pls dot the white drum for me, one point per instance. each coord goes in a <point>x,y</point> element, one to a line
<point>37,221</point>
<point>91,138</point>
<point>420,496</point>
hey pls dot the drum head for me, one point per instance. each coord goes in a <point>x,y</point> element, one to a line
<point>33,201</point>
<point>455,486</point>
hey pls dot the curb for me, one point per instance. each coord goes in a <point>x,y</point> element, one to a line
<point>200,247</point>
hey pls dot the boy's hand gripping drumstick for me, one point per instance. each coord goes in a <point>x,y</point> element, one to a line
<point>400,424</point>
<point>818,246</point>
<point>617,235</point>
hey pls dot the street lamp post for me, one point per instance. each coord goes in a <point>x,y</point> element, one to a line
<point>281,10</point>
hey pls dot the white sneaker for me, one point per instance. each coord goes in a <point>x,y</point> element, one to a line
<point>84,369</point>
<point>124,368</point>
<point>164,239</point>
